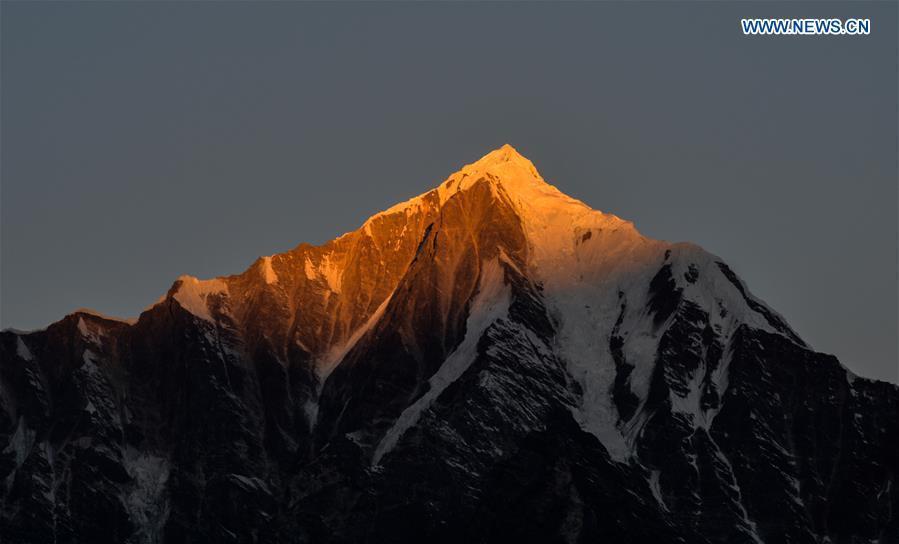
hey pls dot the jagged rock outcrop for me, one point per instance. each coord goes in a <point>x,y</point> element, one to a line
<point>491,361</point>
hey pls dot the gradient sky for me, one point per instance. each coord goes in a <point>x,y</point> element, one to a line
<point>141,141</point>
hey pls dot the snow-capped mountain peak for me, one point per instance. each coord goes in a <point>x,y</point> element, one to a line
<point>594,270</point>
<point>491,360</point>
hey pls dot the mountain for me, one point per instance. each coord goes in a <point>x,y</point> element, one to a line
<point>491,361</point>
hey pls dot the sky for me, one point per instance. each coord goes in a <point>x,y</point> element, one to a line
<point>141,141</point>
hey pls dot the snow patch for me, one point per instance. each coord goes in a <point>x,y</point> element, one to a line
<point>327,269</point>
<point>330,360</point>
<point>21,442</point>
<point>310,408</point>
<point>748,523</point>
<point>82,327</point>
<point>22,350</point>
<point>586,282</point>
<point>308,268</point>
<point>193,295</point>
<point>656,489</point>
<point>489,304</point>
<point>92,333</point>
<point>689,404</point>
<point>250,483</point>
<point>90,364</point>
<point>332,273</point>
<point>146,501</point>
<point>268,272</point>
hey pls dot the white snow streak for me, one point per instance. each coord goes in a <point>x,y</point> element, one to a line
<point>92,335</point>
<point>268,273</point>
<point>332,272</point>
<point>656,489</point>
<point>336,354</point>
<point>193,294</point>
<point>490,304</point>
<point>22,350</point>
<point>584,258</point>
<point>308,268</point>
<point>21,442</point>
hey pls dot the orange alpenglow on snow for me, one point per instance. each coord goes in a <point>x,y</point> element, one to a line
<point>418,266</point>
<point>474,342</point>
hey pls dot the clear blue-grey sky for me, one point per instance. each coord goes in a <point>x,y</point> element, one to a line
<point>145,140</point>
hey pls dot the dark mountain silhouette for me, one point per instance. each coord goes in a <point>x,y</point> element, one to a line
<point>491,361</point>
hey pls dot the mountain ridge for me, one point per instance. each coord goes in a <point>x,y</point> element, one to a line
<point>490,342</point>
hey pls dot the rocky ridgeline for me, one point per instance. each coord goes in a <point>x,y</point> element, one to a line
<point>491,361</point>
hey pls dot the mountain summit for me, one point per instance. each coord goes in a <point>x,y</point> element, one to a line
<point>489,361</point>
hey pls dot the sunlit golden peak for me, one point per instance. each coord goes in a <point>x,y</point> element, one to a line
<point>505,166</point>
<point>504,154</point>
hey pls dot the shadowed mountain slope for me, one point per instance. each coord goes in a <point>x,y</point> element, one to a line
<point>490,361</point>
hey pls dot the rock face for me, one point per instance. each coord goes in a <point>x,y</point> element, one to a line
<point>491,361</point>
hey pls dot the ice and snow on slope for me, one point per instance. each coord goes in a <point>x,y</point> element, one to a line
<point>330,360</point>
<point>327,269</point>
<point>656,490</point>
<point>82,327</point>
<point>489,304</point>
<point>332,272</point>
<point>146,501</point>
<point>727,304</point>
<point>308,268</point>
<point>503,166</point>
<point>22,350</point>
<point>586,279</point>
<point>268,273</point>
<point>193,295</point>
<point>583,259</point>
<point>326,364</point>
<point>92,332</point>
<point>20,443</point>
<point>595,269</point>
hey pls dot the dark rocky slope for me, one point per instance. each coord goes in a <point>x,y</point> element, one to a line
<point>489,362</point>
